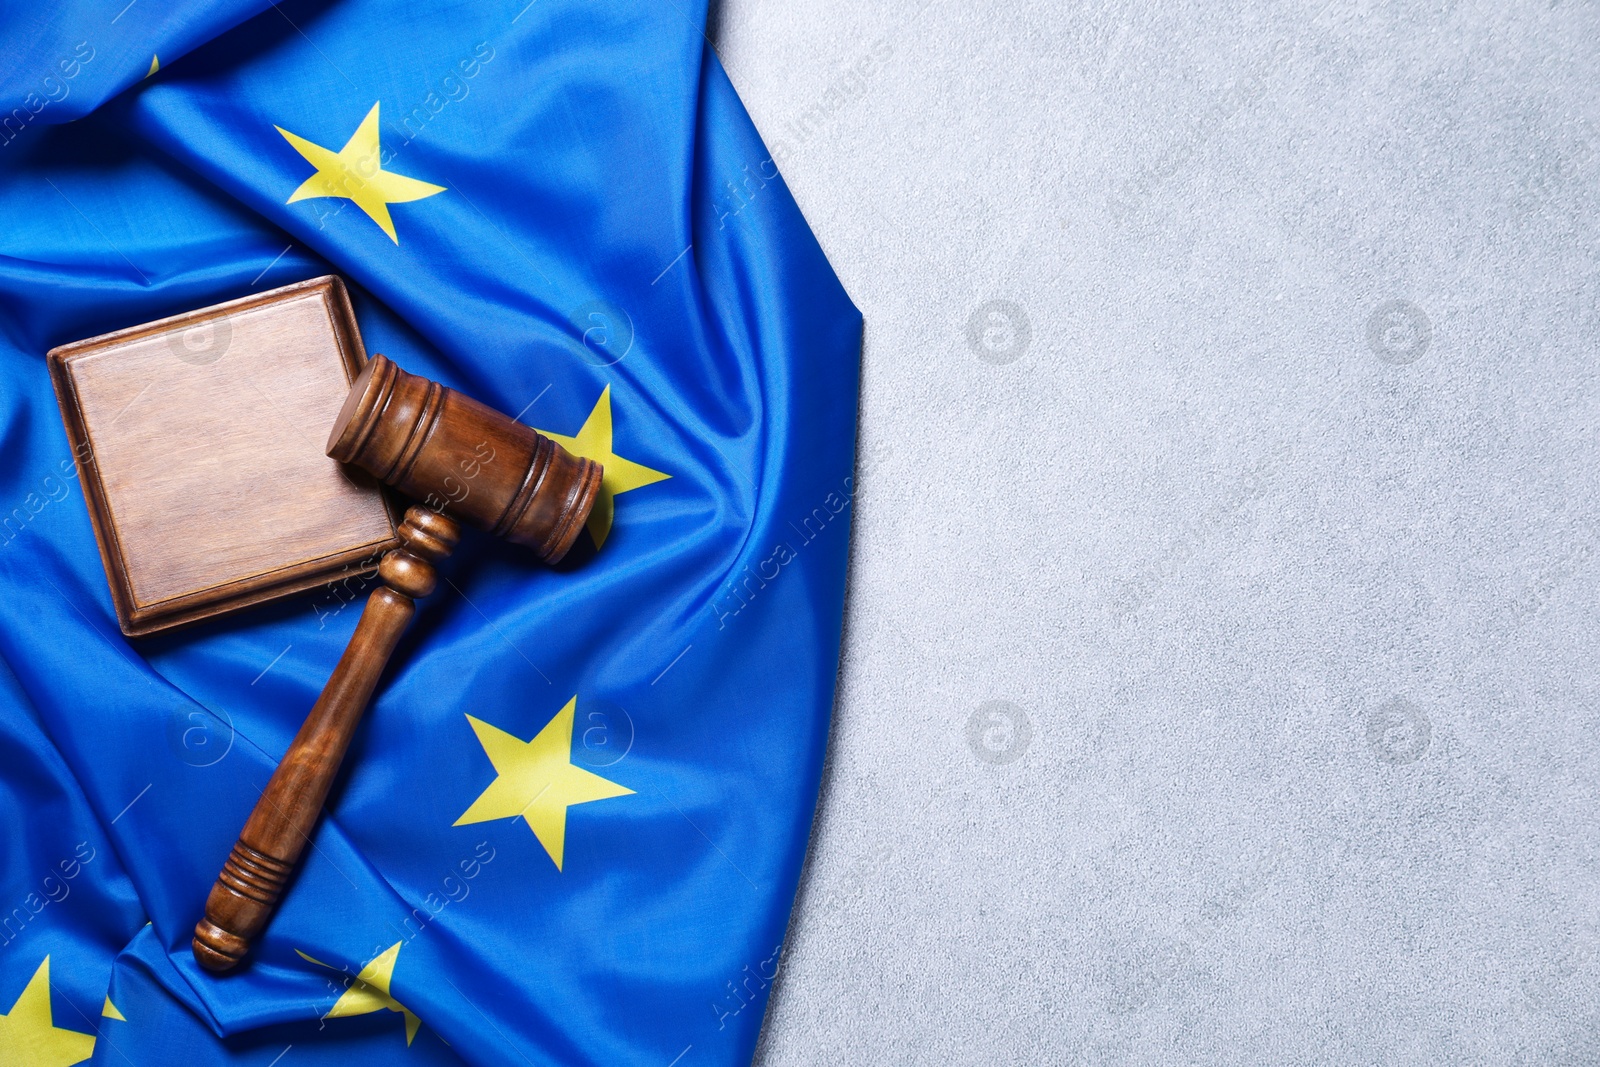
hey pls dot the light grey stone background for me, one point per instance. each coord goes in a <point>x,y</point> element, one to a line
<point>1270,500</point>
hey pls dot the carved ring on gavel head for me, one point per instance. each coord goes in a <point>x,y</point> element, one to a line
<point>464,461</point>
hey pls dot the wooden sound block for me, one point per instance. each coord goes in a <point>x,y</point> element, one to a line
<point>199,439</point>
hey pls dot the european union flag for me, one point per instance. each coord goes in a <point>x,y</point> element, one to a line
<point>571,828</point>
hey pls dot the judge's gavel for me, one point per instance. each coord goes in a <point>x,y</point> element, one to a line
<point>465,461</point>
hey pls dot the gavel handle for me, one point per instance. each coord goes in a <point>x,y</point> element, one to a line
<point>252,880</point>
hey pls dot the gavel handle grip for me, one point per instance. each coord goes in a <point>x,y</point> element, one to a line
<point>254,876</point>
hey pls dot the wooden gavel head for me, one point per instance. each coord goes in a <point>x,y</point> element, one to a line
<point>464,459</point>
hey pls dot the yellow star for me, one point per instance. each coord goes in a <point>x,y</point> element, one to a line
<point>370,991</point>
<point>537,780</point>
<point>593,441</point>
<point>356,173</point>
<point>29,1036</point>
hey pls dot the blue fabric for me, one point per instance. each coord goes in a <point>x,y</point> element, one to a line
<point>610,220</point>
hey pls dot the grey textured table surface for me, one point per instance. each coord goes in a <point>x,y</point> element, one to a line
<point>1264,499</point>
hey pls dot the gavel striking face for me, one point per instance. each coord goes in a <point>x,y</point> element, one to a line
<point>465,461</point>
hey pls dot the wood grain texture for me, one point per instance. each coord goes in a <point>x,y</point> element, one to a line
<point>199,442</point>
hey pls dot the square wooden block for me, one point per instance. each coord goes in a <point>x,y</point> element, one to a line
<point>199,440</point>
